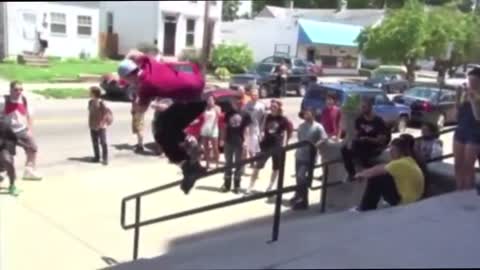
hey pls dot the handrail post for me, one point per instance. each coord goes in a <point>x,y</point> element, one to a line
<point>136,233</point>
<point>278,201</point>
<point>323,195</point>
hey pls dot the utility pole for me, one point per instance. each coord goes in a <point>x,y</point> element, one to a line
<point>206,36</point>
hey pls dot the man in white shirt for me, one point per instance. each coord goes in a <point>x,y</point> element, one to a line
<point>18,115</point>
<point>257,111</point>
<point>42,36</point>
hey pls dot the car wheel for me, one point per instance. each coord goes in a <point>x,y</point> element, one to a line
<point>402,124</point>
<point>441,121</point>
<point>302,90</point>
<point>263,91</point>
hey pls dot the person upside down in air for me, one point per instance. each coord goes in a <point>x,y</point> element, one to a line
<point>155,79</point>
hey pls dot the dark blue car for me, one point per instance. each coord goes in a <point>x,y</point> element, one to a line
<point>395,115</point>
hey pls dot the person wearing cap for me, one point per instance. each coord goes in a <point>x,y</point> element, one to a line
<point>277,132</point>
<point>315,133</point>
<point>153,79</point>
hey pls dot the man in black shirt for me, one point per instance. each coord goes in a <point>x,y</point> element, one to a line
<point>372,136</point>
<point>236,123</point>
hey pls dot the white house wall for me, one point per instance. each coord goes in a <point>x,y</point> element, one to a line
<point>64,45</point>
<point>134,22</point>
<point>188,10</point>
<point>262,34</point>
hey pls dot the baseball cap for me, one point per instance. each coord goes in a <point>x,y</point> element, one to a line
<point>126,67</point>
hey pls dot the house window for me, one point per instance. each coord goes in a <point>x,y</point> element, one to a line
<point>190,32</point>
<point>58,23</point>
<point>109,22</point>
<point>84,26</point>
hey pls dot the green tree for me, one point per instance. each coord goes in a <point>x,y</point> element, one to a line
<point>399,39</point>
<point>230,10</point>
<point>236,58</point>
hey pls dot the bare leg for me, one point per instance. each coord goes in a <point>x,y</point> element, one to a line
<point>206,151</point>
<point>216,152</point>
<point>471,154</point>
<point>273,179</point>
<point>459,154</point>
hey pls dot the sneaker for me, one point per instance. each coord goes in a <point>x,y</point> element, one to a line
<point>105,162</point>
<point>95,160</point>
<point>139,149</point>
<point>30,174</point>
<point>191,172</point>
<point>236,190</point>
<point>354,210</point>
<point>300,205</point>
<point>225,189</point>
<point>12,190</point>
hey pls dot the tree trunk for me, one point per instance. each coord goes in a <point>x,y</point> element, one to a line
<point>410,64</point>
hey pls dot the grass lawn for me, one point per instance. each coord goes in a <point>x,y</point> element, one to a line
<point>58,69</point>
<point>63,93</point>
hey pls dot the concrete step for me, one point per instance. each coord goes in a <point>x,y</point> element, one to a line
<point>443,231</point>
<point>32,60</point>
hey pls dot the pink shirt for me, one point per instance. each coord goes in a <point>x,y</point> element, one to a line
<point>159,79</point>
<point>330,119</point>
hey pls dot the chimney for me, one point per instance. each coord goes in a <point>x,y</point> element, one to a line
<point>341,5</point>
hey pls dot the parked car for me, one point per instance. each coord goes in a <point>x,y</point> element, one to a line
<point>264,78</point>
<point>388,82</point>
<point>118,88</point>
<point>223,98</point>
<point>430,104</point>
<point>395,115</point>
<point>295,64</point>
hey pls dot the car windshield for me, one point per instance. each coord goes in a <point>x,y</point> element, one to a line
<point>242,80</point>
<point>262,68</point>
<point>422,93</point>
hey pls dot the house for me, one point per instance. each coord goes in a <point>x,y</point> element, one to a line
<point>172,26</point>
<point>72,28</point>
<point>321,35</point>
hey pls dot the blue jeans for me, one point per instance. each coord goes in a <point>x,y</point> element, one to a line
<point>233,154</point>
<point>302,170</point>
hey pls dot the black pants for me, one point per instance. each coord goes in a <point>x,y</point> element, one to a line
<point>363,152</point>
<point>303,177</point>
<point>233,154</point>
<point>99,138</point>
<point>7,163</point>
<point>378,187</point>
<point>281,87</point>
<point>170,128</point>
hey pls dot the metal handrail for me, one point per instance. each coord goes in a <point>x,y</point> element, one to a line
<point>279,191</point>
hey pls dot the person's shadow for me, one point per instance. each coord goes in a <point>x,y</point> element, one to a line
<point>82,159</point>
<point>149,149</point>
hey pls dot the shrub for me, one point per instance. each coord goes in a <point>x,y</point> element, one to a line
<point>236,58</point>
<point>191,55</point>
<point>222,73</point>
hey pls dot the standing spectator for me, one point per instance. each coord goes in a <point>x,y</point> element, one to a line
<point>400,181</point>
<point>466,146</point>
<point>429,146</point>
<point>244,96</point>
<point>42,30</point>
<point>18,115</point>
<point>236,125</point>
<point>138,122</point>
<point>349,113</point>
<point>313,132</point>
<point>282,75</point>
<point>257,111</point>
<point>99,118</point>
<point>210,132</point>
<point>277,132</point>
<point>330,117</point>
<point>8,141</point>
<point>371,139</point>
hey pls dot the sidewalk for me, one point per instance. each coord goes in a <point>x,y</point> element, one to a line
<point>71,220</point>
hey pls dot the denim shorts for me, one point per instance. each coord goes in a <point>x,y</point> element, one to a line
<point>464,136</point>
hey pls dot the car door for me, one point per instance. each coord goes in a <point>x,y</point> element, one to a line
<point>447,105</point>
<point>385,108</point>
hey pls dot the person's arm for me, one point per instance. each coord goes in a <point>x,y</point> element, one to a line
<point>323,138</point>
<point>289,130</point>
<point>372,172</point>
<point>475,104</point>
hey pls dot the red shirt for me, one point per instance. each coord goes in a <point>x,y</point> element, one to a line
<point>194,129</point>
<point>158,79</point>
<point>330,119</point>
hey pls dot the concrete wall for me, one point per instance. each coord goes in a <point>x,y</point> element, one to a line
<point>131,30</point>
<point>21,36</point>
<point>261,35</point>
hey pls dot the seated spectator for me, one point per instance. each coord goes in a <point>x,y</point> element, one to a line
<point>330,117</point>
<point>372,136</point>
<point>400,181</point>
<point>429,146</point>
<point>420,162</point>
